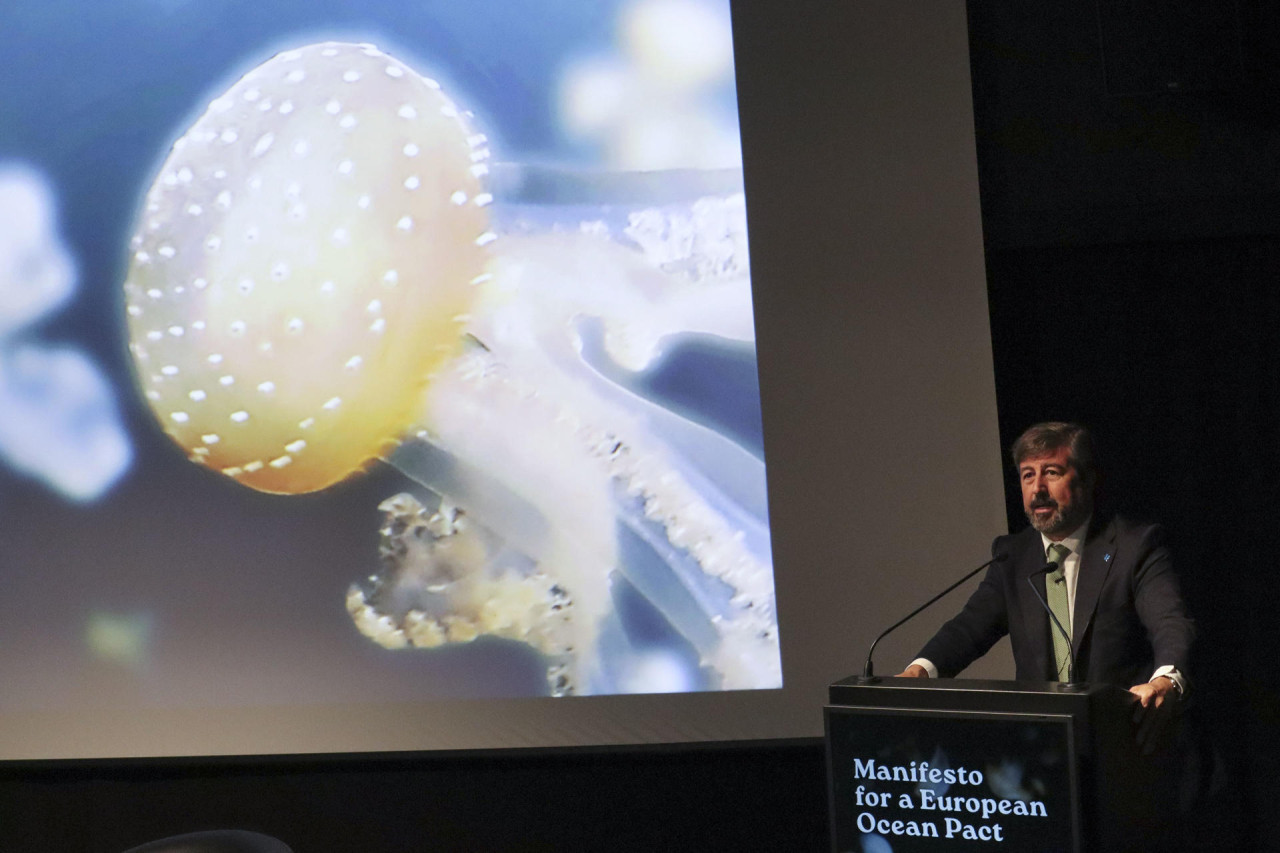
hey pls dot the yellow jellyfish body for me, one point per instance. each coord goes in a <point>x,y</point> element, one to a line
<point>304,262</point>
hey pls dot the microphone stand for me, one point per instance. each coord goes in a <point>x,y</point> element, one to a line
<point>868,670</point>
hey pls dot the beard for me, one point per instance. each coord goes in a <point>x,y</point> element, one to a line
<point>1059,522</point>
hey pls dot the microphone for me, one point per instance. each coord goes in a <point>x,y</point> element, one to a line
<point>1048,569</point>
<point>868,671</point>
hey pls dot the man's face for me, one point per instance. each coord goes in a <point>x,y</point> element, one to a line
<point>1054,495</point>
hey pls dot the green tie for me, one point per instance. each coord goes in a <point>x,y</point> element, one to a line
<point>1056,595</point>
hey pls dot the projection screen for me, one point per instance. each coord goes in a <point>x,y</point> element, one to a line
<point>400,376</point>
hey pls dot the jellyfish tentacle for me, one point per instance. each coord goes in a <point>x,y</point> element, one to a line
<point>707,534</point>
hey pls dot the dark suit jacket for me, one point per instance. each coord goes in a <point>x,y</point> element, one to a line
<point>1128,618</point>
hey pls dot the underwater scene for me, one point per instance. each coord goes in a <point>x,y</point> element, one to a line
<point>377,351</point>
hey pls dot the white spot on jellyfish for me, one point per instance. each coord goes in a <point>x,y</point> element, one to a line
<point>378,326</point>
<point>333,107</point>
<point>412,182</point>
<point>179,417</point>
<point>332,403</point>
<point>142,257</point>
<point>407,111</point>
<point>280,461</point>
<point>301,148</point>
<point>226,381</point>
<point>297,75</point>
<point>210,438</point>
<point>223,200</point>
<point>394,71</point>
<point>459,198</point>
<point>391,278</point>
<point>374,306</point>
<point>286,107</point>
<point>354,363</point>
<point>294,326</point>
<point>197,395</point>
<point>306,423</point>
<point>194,209</point>
<point>229,136</point>
<point>263,145</point>
<point>347,122</point>
<point>176,331</point>
<point>345,167</point>
<point>486,238</point>
<point>266,387</point>
<point>351,76</point>
<point>155,335</point>
<point>296,446</point>
<point>328,288</point>
<point>484,200</point>
<point>431,83</point>
<point>480,170</point>
<point>340,237</point>
<point>170,370</point>
<point>240,417</point>
<point>213,243</point>
<point>245,286</point>
<point>185,175</point>
<point>298,212</point>
<point>363,202</point>
<point>449,111</point>
<point>251,467</point>
<point>405,223</point>
<point>214,358</point>
<point>279,271</point>
<point>252,94</point>
<point>237,328</point>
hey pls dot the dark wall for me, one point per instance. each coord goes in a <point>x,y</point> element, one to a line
<point>1133,256</point>
<point>766,797</point>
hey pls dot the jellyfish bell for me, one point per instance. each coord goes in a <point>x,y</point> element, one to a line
<point>304,262</point>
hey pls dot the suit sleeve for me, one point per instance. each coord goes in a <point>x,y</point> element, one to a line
<point>1157,597</point>
<point>978,627</point>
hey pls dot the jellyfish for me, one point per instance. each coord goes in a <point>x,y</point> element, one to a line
<point>318,283</point>
<point>58,417</point>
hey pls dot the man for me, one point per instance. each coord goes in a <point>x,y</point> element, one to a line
<point>1114,586</point>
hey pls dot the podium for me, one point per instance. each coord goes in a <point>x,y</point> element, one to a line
<point>953,764</point>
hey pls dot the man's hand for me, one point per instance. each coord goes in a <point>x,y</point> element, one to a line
<point>1157,700</point>
<point>1155,693</point>
<point>913,671</point>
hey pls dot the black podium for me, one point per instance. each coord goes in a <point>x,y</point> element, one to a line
<point>953,764</point>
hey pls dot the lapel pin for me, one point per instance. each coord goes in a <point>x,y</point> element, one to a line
<point>1106,558</point>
